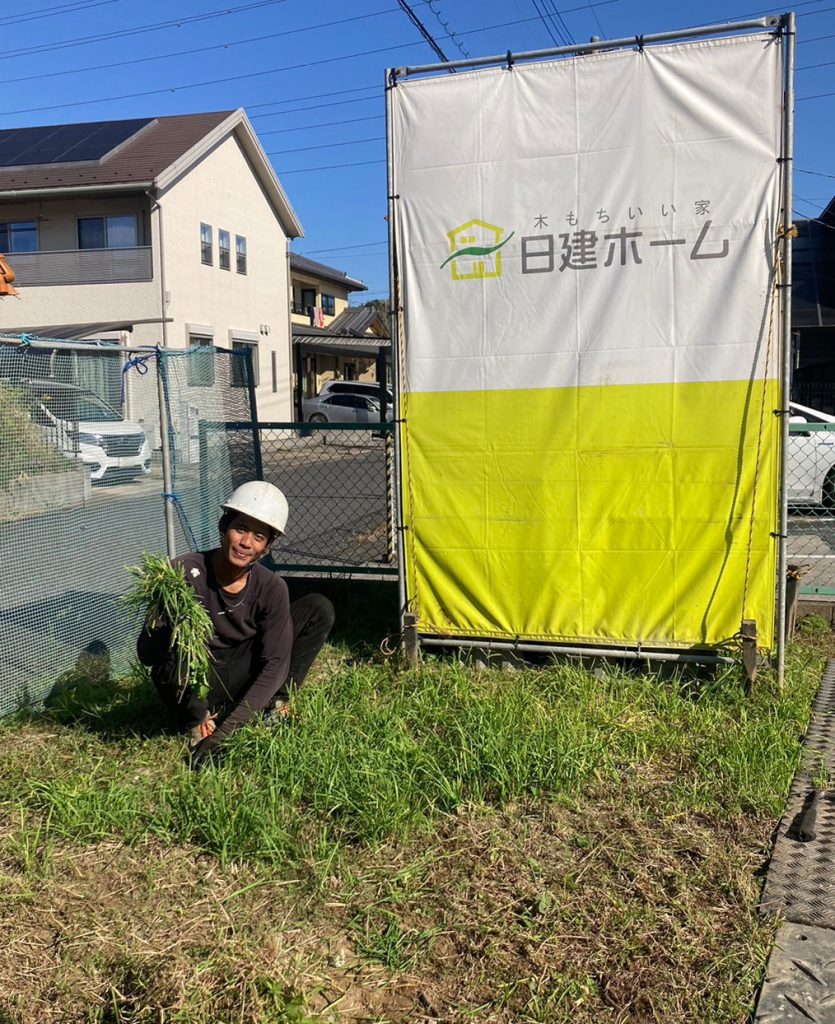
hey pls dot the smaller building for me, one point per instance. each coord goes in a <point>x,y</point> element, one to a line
<point>332,340</point>
<point>319,293</point>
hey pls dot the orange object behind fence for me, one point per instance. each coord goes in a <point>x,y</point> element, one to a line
<point>6,278</point>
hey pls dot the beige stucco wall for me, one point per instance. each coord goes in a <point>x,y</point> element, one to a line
<point>222,191</point>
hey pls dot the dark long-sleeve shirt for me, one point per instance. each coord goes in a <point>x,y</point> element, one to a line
<point>258,615</point>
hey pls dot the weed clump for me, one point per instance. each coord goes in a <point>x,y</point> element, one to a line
<point>162,594</point>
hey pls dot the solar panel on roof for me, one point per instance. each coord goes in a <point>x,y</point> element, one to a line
<point>65,143</point>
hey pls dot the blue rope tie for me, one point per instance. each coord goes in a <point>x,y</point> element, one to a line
<point>139,363</point>
<point>26,340</point>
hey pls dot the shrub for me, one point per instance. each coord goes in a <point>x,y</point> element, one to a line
<point>23,451</point>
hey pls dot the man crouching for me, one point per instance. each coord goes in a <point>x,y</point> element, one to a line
<point>262,647</point>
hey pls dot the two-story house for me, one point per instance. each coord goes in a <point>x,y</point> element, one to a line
<point>319,293</point>
<point>330,338</point>
<point>174,229</point>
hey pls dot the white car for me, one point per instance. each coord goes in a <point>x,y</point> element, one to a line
<point>83,426</point>
<point>370,389</point>
<point>338,408</point>
<point>811,457</point>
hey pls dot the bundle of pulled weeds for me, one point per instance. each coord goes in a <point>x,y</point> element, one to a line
<point>161,593</point>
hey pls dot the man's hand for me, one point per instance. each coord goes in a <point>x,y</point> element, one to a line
<point>203,730</point>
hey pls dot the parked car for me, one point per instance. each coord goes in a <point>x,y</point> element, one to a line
<point>336,408</point>
<point>355,387</point>
<point>83,426</point>
<point>811,457</point>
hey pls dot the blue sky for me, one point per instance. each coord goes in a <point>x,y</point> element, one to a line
<point>311,79</point>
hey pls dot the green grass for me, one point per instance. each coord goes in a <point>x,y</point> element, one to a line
<point>376,754</point>
<point>541,845</point>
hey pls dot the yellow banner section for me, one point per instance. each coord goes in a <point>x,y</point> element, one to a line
<point>602,514</point>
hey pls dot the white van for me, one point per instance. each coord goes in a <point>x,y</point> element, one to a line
<point>83,426</point>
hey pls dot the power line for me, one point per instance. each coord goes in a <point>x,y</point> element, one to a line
<point>343,248</point>
<point>816,96</point>
<point>269,71</point>
<point>192,50</point>
<point>360,255</point>
<point>54,12</point>
<point>231,78</point>
<point>424,31</point>
<point>565,32</point>
<point>451,33</point>
<point>817,174</point>
<point>216,81</point>
<point>327,145</point>
<point>314,106</point>
<point>772,11</point>
<point>299,99</point>
<point>544,21</point>
<point>815,39</point>
<point>329,167</point>
<point>318,106</point>
<point>823,64</point>
<point>597,20</point>
<point>326,124</point>
<point>157,26</point>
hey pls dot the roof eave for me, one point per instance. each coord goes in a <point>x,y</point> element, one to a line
<point>57,190</point>
<point>349,283</point>
<point>238,123</point>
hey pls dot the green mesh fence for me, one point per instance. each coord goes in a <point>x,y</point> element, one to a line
<point>82,493</point>
<point>339,483</point>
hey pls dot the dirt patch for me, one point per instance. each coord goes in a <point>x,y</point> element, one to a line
<point>602,910</point>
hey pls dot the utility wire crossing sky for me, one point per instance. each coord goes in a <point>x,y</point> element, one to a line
<point>312,82</point>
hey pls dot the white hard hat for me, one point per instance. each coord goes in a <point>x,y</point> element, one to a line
<point>260,500</point>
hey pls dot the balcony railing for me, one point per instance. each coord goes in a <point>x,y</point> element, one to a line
<point>82,266</point>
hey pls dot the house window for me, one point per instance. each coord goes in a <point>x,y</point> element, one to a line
<point>239,379</point>
<point>201,365</point>
<point>223,249</point>
<point>206,255</point>
<point>19,236</point>
<point>117,232</point>
<point>308,299</point>
<point>328,305</point>
<point>240,254</point>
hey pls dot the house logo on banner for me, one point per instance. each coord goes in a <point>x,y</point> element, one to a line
<point>472,247</point>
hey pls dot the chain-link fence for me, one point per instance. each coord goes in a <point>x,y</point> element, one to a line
<point>811,495</point>
<point>338,478</point>
<point>83,492</point>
